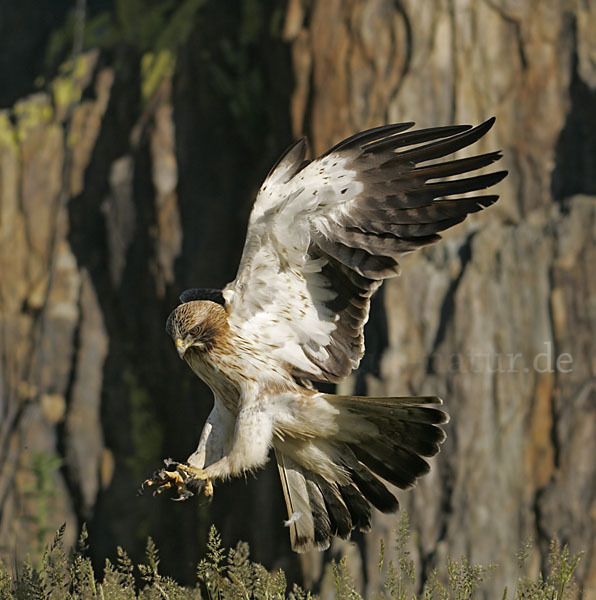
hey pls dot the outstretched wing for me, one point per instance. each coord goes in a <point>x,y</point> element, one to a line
<point>324,234</point>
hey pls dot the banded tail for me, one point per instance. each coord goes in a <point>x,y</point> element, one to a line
<point>330,484</point>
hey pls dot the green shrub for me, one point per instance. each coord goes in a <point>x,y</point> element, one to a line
<point>229,574</point>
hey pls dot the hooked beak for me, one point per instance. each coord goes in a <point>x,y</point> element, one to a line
<point>181,347</point>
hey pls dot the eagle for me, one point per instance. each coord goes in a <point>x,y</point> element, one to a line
<point>322,236</point>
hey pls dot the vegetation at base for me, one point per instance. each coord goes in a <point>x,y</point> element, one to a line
<point>229,574</point>
<point>41,491</point>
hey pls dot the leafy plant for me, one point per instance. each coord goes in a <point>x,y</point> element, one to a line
<point>42,491</point>
<point>401,577</point>
<point>232,575</point>
<point>558,584</point>
<point>229,574</point>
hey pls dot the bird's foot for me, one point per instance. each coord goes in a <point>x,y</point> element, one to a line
<point>186,479</point>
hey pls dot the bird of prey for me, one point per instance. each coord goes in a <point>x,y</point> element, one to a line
<point>322,236</point>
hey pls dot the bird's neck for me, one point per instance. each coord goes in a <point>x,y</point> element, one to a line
<point>232,368</point>
<point>222,386</point>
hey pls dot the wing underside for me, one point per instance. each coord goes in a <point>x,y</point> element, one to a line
<point>323,235</point>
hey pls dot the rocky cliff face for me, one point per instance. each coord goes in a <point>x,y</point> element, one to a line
<point>497,319</point>
<point>116,192</point>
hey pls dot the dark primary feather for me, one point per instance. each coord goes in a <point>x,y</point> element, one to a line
<point>413,137</point>
<point>438,149</point>
<point>364,137</point>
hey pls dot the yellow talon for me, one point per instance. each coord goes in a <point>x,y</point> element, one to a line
<point>196,473</point>
<point>178,478</point>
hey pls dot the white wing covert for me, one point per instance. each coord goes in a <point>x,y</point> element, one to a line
<point>324,234</point>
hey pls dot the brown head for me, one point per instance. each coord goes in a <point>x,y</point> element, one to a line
<point>199,324</point>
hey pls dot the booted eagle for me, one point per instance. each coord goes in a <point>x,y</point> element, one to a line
<point>322,236</point>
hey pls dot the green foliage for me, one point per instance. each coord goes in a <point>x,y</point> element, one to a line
<point>558,584</point>
<point>231,575</point>
<point>401,577</point>
<point>154,28</point>
<point>147,25</point>
<point>42,491</point>
<point>465,578</point>
<point>155,25</point>
<point>70,576</point>
<point>344,586</point>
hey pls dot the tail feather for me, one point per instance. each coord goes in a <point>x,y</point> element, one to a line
<point>373,489</point>
<point>394,410</point>
<point>424,414</point>
<point>300,521</point>
<point>401,469</point>
<point>339,512</point>
<point>396,402</point>
<point>321,521</point>
<point>358,506</point>
<point>377,440</point>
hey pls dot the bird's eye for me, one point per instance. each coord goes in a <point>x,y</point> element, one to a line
<point>195,331</point>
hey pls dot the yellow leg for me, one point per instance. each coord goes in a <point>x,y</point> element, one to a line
<point>196,473</point>
<point>192,472</point>
<point>177,475</point>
